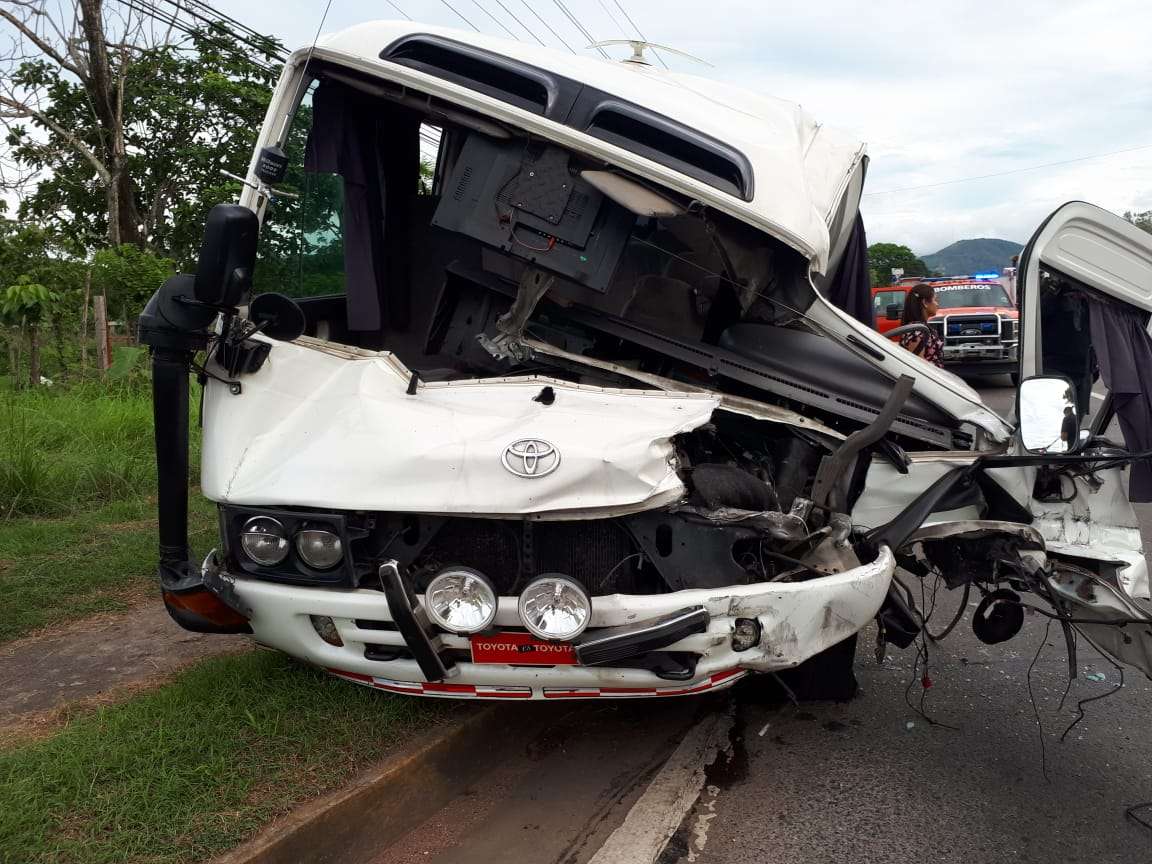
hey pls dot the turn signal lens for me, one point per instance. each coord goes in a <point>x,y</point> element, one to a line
<point>555,607</point>
<point>461,600</point>
<point>263,540</point>
<point>318,548</point>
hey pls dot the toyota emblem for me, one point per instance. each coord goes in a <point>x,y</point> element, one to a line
<point>531,457</point>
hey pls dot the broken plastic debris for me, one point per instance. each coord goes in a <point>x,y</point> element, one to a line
<point>1096,676</point>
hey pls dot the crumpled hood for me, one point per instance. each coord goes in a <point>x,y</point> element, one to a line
<point>325,426</point>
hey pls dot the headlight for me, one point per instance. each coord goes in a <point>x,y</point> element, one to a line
<point>263,540</point>
<point>461,600</point>
<point>555,607</point>
<point>318,548</point>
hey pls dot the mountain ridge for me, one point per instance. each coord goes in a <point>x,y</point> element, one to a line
<point>977,255</point>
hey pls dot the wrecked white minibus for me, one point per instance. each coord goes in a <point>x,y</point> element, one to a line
<point>523,379</point>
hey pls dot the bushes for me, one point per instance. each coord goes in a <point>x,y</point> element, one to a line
<point>63,450</point>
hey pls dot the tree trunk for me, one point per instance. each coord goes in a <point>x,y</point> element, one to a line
<point>14,359</point>
<point>33,355</point>
<point>58,339</point>
<point>100,314</point>
<point>84,321</point>
<point>106,99</point>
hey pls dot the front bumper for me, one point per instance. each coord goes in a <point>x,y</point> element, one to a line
<point>991,359</point>
<point>798,620</point>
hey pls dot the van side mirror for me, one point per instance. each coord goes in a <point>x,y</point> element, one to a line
<point>894,311</point>
<point>227,255</point>
<point>1049,421</point>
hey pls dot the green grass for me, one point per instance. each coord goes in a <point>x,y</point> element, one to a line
<point>67,449</point>
<point>52,570</point>
<point>189,770</point>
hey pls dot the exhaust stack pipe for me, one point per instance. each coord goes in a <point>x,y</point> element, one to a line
<point>175,325</point>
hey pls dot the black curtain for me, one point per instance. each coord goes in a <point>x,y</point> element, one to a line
<point>374,146</point>
<point>850,289</point>
<point>1124,354</point>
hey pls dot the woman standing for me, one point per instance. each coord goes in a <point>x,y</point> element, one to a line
<point>919,306</point>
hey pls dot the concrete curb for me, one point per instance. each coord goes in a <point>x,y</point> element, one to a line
<point>360,820</point>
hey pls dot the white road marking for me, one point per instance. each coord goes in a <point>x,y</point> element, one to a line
<point>657,814</point>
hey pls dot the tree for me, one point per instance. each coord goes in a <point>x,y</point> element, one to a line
<point>24,306</point>
<point>883,257</point>
<point>124,127</point>
<point>1141,220</point>
<point>128,276</point>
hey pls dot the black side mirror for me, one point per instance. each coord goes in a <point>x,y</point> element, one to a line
<point>227,255</point>
<point>894,311</point>
<point>278,317</point>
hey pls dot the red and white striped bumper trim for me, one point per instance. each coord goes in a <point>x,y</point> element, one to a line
<point>715,681</point>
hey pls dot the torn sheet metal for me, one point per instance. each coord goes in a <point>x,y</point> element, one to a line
<point>1086,595</point>
<point>1098,524</point>
<point>314,428</point>
<point>735,404</point>
<point>888,492</point>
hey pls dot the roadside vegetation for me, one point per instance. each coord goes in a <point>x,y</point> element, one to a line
<point>189,770</point>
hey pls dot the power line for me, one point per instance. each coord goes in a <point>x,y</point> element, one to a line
<point>513,16</point>
<point>265,45</point>
<point>398,9</point>
<point>499,23</point>
<point>1012,171</point>
<point>460,15</point>
<point>576,23</point>
<point>615,22</point>
<point>548,26</point>
<point>624,12</point>
<point>175,23</point>
<point>224,17</point>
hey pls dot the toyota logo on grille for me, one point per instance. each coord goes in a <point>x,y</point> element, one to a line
<point>531,457</point>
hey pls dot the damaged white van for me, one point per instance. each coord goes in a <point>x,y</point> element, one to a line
<point>529,376</point>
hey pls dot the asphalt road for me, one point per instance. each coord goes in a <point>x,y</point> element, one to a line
<point>960,771</point>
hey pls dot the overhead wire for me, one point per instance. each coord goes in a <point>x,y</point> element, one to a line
<point>497,21</point>
<point>234,24</point>
<point>547,26</point>
<point>265,45</point>
<point>1009,172</point>
<point>398,9</point>
<point>460,15</point>
<point>576,23</point>
<point>174,22</point>
<point>515,18</point>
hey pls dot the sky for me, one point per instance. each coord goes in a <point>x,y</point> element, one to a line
<point>940,90</point>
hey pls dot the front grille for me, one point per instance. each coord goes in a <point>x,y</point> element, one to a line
<point>511,553</point>
<point>971,329</point>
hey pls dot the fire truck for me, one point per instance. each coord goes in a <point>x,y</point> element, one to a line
<point>978,321</point>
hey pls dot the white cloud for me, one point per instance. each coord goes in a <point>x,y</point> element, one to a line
<point>941,90</point>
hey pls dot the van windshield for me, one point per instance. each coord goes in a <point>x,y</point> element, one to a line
<point>957,296</point>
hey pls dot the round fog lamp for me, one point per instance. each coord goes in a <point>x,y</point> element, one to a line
<point>555,607</point>
<point>461,600</point>
<point>319,549</point>
<point>263,540</point>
